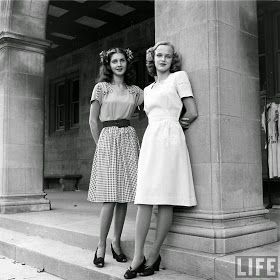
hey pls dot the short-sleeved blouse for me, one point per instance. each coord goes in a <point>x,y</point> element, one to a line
<point>164,99</point>
<point>113,105</point>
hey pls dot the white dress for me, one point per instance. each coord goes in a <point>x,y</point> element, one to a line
<point>164,168</point>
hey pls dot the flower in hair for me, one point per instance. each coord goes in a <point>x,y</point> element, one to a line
<point>129,54</point>
<point>103,56</point>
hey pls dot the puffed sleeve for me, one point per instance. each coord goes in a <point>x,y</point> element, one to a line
<point>183,84</point>
<point>97,93</point>
<point>140,96</point>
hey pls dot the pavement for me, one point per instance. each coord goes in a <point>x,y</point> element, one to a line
<point>12,270</point>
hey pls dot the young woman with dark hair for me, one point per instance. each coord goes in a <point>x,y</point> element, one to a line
<point>114,168</point>
<point>164,170</point>
<point>106,73</point>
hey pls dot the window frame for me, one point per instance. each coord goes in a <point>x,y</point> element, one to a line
<point>67,81</point>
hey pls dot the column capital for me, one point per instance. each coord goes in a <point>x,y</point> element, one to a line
<point>14,40</point>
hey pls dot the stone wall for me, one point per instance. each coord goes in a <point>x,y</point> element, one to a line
<point>71,152</point>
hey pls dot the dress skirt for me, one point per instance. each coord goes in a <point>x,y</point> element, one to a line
<point>114,169</point>
<point>164,173</point>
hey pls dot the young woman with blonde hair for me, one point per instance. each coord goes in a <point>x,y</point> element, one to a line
<point>164,169</point>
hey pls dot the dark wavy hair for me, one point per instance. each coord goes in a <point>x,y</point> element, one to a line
<point>105,71</point>
<point>150,59</point>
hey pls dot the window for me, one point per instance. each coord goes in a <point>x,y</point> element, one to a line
<point>74,103</point>
<point>64,103</point>
<point>60,106</point>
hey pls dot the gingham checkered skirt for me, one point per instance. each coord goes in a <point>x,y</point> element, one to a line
<point>114,168</point>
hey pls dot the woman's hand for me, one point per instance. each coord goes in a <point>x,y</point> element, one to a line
<point>185,122</point>
<point>191,112</point>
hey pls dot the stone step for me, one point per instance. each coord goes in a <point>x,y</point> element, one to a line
<point>67,261</point>
<point>67,236</point>
<point>10,269</point>
<point>184,261</point>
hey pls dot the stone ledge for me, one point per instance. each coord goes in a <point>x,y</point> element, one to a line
<point>10,39</point>
<point>23,204</point>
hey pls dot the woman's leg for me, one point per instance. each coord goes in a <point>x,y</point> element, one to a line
<point>120,213</point>
<point>143,220</point>
<point>164,221</point>
<point>106,216</point>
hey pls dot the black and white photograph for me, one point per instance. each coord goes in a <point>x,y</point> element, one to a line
<point>139,139</point>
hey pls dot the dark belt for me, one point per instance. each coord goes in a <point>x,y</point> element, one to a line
<point>118,123</point>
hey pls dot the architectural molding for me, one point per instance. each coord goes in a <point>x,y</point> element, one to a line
<point>218,216</point>
<point>24,204</point>
<point>18,41</point>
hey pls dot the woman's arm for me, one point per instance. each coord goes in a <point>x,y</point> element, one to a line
<point>191,112</point>
<point>93,120</point>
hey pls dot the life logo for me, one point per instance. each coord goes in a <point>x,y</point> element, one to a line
<point>263,267</point>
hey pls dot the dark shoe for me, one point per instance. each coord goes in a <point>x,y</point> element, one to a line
<point>132,273</point>
<point>150,270</point>
<point>157,263</point>
<point>119,258</point>
<point>99,262</point>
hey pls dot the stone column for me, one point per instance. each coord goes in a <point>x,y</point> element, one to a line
<point>21,123</point>
<point>218,43</point>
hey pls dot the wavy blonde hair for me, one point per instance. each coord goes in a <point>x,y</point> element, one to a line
<point>150,59</point>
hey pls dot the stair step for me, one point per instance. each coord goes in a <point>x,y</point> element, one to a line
<point>67,261</point>
<point>67,236</point>
<point>82,231</point>
<point>10,269</point>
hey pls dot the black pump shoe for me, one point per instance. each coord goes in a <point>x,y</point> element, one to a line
<point>119,258</point>
<point>99,262</point>
<point>132,273</point>
<point>150,270</point>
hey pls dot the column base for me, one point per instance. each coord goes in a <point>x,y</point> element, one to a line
<point>220,234</point>
<point>30,203</point>
<point>197,264</point>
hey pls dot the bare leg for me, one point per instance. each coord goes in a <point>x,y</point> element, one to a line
<point>106,216</point>
<point>143,220</point>
<point>164,221</point>
<point>120,213</point>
